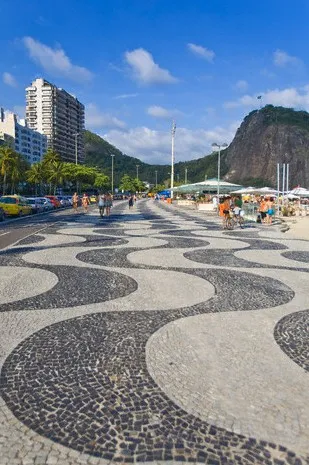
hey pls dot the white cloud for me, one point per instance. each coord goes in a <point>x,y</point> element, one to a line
<point>242,85</point>
<point>155,146</point>
<point>202,52</point>
<point>125,96</point>
<point>160,112</point>
<point>55,61</point>
<point>269,74</point>
<point>282,59</point>
<point>145,70</point>
<point>290,97</point>
<point>97,119</point>
<point>9,79</point>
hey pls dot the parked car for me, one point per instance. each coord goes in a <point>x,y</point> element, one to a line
<point>2,214</point>
<point>54,200</point>
<point>37,205</point>
<point>63,199</point>
<point>93,199</point>
<point>15,205</point>
<point>47,205</point>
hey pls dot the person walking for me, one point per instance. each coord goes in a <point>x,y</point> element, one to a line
<point>270,210</point>
<point>109,204</point>
<point>131,201</point>
<point>75,200</point>
<point>263,210</point>
<point>102,204</point>
<point>85,202</point>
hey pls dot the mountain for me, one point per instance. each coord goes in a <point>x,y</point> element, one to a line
<point>266,137</point>
<point>98,153</point>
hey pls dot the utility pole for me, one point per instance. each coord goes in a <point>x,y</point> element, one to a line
<point>173,157</point>
<point>137,171</point>
<point>156,178</point>
<point>186,175</point>
<point>112,155</point>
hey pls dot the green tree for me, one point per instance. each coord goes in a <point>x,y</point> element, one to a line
<point>127,184</point>
<point>7,157</point>
<point>36,175</point>
<point>56,174</point>
<point>101,181</point>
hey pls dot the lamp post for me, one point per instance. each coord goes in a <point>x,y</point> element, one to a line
<point>137,171</point>
<point>173,158</point>
<point>156,178</point>
<point>112,155</point>
<point>219,147</point>
<point>186,175</point>
<point>76,151</point>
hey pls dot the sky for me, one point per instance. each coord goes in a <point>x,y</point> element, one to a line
<point>137,65</point>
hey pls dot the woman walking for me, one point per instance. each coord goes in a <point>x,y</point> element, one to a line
<point>109,204</point>
<point>85,202</point>
<point>131,201</point>
<point>75,200</point>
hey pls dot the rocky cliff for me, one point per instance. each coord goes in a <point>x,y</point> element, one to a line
<point>266,137</point>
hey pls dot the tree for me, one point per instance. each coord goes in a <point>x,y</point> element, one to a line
<point>7,156</point>
<point>101,181</point>
<point>36,175</point>
<point>56,174</point>
<point>127,184</point>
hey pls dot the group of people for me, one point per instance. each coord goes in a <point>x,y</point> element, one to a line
<point>84,202</point>
<point>105,204</point>
<point>266,209</point>
<point>227,205</point>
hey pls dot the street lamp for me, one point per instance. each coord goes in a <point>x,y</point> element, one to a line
<point>186,175</point>
<point>112,155</point>
<point>137,171</point>
<point>173,157</point>
<point>76,136</point>
<point>219,147</point>
<point>156,171</point>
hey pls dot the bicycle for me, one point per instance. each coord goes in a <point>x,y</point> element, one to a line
<point>228,222</point>
<point>238,219</point>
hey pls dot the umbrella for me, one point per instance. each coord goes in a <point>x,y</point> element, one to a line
<point>300,191</point>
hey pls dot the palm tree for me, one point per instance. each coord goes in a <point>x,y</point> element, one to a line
<point>49,158</point>
<point>57,174</point>
<point>36,175</point>
<point>7,156</point>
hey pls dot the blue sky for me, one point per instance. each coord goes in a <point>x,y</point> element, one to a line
<point>137,64</point>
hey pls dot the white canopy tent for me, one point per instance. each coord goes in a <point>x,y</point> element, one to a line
<point>300,192</point>
<point>209,185</point>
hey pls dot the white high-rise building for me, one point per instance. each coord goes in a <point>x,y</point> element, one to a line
<point>29,143</point>
<point>60,116</point>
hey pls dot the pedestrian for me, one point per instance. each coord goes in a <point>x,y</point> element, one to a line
<point>270,211</point>
<point>131,201</point>
<point>75,200</point>
<point>102,204</point>
<point>263,210</point>
<point>109,204</point>
<point>85,202</point>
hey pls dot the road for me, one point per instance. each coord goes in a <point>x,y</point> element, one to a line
<point>152,336</point>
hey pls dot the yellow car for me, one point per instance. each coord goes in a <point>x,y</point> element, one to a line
<point>93,199</point>
<point>15,205</point>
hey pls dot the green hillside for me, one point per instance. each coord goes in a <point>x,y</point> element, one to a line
<point>99,151</point>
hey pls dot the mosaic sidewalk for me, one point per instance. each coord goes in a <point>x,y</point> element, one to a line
<point>154,336</point>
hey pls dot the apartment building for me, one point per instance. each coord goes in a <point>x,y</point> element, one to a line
<point>58,115</point>
<point>29,143</point>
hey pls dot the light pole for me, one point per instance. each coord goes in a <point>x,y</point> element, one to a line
<point>219,147</point>
<point>76,151</point>
<point>173,158</point>
<point>186,175</point>
<point>112,155</point>
<point>156,178</point>
<point>137,171</point>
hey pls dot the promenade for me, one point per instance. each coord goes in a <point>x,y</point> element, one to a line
<point>154,336</point>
